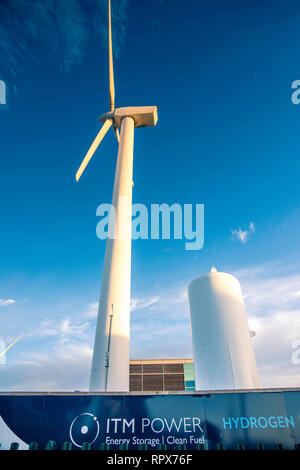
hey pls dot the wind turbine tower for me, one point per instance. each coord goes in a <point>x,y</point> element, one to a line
<point>110,364</point>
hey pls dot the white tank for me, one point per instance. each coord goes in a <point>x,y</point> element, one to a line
<point>223,353</point>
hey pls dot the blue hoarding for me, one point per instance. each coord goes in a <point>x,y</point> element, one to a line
<point>188,420</point>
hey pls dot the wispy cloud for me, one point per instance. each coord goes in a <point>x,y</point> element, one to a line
<point>7,302</point>
<point>269,288</point>
<point>56,354</point>
<point>63,330</point>
<point>91,310</point>
<point>29,28</point>
<point>66,367</point>
<point>160,325</point>
<point>272,299</point>
<point>140,304</point>
<point>243,235</point>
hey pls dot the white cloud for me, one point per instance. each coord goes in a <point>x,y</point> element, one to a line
<point>273,309</point>
<point>63,330</point>
<point>271,294</point>
<point>140,304</point>
<point>6,303</point>
<point>273,348</point>
<point>160,327</point>
<point>91,311</point>
<point>67,367</point>
<point>66,328</point>
<point>243,235</point>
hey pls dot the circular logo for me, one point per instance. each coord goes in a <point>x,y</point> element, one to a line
<point>84,428</point>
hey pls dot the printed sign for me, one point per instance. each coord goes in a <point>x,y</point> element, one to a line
<point>155,421</point>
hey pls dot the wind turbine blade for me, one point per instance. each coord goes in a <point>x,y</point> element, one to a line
<point>116,131</point>
<point>111,63</point>
<point>8,347</point>
<point>107,124</point>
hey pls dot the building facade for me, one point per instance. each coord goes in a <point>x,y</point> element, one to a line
<point>159,375</point>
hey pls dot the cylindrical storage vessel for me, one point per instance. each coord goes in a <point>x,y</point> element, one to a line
<point>223,353</point>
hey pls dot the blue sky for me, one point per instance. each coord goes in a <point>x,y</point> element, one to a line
<point>227,137</point>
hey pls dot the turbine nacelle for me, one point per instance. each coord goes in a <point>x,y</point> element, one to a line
<point>144,116</point>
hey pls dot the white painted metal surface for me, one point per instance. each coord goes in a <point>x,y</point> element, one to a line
<point>110,366</point>
<point>7,436</point>
<point>223,353</point>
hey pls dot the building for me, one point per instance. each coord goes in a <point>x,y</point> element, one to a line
<point>159,375</point>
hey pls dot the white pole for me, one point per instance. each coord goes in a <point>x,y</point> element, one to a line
<point>110,365</point>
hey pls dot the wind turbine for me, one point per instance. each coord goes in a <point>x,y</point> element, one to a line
<point>110,364</point>
<point>2,353</point>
